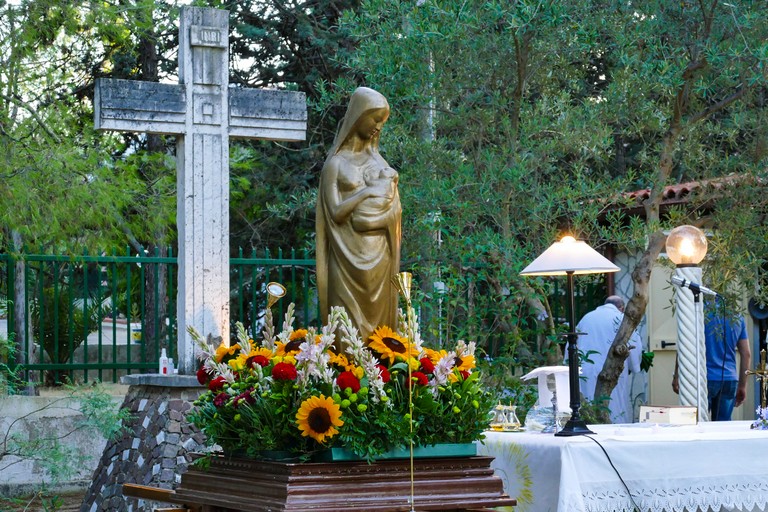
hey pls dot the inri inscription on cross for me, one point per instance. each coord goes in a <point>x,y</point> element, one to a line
<point>204,112</point>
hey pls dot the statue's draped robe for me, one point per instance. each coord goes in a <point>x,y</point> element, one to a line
<point>355,268</point>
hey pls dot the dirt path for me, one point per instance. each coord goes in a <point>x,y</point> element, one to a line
<point>67,503</point>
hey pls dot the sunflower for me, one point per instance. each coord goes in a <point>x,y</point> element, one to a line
<point>290,359</point>
<point>318,418</point>
<point>434,355</point>
<point>236,364</point>
<point>224,353</point>
<point>464,362</point>
<point>390,345</point>
<point>259,356</point>
<point>456,374</point>
<point>341,361</point>
<point>295,340</point>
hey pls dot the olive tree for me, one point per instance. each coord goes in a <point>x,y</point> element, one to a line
<point>514,122</point>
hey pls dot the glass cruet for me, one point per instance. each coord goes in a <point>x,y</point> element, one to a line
<point>499,418</point>
<point>513,422</point>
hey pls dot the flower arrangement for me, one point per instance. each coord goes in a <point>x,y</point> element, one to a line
<point>761,423</point>
<point>300,391</point>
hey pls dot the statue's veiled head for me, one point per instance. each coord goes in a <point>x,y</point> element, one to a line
<point>362,101</point>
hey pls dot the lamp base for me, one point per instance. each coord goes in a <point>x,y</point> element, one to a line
<point>574,428</point>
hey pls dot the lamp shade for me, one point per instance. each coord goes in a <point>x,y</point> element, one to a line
<point>569,256</point>
<point>686,245</point>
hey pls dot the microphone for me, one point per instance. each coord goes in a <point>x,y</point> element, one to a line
<point>694,287</point>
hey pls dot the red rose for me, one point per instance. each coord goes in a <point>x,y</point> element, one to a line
<point>464,374</point>
<point>284,371</point>
<point>220,399</point>
<point>260,360</point>
<point>384,373</point>
<point>217,384</point>
<point>419,378</point>
<point>348,380</point>
<point>202,376</point>
<point>427,366</point>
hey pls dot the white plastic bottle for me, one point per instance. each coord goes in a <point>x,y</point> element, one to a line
<point>163,363</point>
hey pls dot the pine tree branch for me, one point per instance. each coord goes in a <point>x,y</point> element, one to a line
<point>17,101</point>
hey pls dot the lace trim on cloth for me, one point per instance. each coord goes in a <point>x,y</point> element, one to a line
<point>748,497</point>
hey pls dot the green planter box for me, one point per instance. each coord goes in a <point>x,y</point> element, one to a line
<point>419,452</point>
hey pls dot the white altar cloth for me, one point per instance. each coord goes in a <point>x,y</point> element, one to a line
<point>711,466</point>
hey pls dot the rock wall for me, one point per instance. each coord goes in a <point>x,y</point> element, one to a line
<point>33,418</point>
<point>155,449</point>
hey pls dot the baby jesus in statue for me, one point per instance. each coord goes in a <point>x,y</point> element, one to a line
<point>371,209</point>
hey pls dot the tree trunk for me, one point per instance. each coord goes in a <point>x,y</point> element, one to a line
<point>633,314</point>
<point>23,329</point>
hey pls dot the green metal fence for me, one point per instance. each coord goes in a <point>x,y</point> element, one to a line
<point>98,317</point>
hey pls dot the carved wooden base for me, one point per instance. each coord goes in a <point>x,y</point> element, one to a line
<point>461,483</point>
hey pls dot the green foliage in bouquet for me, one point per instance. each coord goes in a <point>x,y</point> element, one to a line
<point>300,391</point>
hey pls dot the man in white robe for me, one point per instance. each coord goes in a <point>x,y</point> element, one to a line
<point>600,327</point>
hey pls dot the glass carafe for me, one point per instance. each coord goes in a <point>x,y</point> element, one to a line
<point>513,422</point>
<point>499,418</point>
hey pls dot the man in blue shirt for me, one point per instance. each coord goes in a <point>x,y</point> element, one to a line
<point>726,387</point>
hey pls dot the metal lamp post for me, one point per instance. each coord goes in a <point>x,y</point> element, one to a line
<point>686,247</point>
<point>567,258</point>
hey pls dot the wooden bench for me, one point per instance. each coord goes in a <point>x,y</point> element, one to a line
<point>146,492</point>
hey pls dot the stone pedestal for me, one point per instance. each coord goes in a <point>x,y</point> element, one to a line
<point>242,485</point>
<point>155,447</point>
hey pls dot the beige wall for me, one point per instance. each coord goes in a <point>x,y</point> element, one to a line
<point>51,414</point>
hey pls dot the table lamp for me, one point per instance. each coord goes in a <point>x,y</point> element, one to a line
<point>569,257</point>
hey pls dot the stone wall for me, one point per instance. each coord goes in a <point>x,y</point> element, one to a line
<point>53,414</point>
<point>156,447</point>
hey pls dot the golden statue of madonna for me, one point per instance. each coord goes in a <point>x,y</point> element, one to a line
<point>358,219</point>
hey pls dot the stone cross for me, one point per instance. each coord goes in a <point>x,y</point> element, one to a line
<point>203,111</point>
